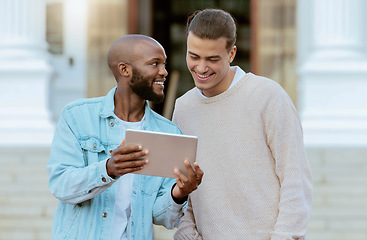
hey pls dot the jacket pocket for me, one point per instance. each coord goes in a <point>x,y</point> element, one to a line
<point>71,225</point>
<point>93,150</point>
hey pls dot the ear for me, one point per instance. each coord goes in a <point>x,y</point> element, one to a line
<point>124,69</point>
<point>232,54</point>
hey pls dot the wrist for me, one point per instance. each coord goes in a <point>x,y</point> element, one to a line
<point>108,172</point>
<point>178,200</point>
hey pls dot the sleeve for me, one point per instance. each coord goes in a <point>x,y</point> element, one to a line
<point>166,211</point>
<point>176,119</point>
<point>285,139</point>
<point>70,180</point>
<point>187,228</point>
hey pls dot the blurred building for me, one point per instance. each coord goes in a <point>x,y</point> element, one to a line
<point>54,51</point>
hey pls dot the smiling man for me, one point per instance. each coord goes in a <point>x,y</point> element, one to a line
<point>258,183</point>
<point>90,168</point>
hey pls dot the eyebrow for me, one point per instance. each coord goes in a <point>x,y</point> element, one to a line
<point>209,57</point>
<point>156,59</point>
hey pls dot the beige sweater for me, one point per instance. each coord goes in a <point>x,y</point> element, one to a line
<point>257,181</point>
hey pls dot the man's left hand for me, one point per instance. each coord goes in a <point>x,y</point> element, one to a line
<point>185,185</point>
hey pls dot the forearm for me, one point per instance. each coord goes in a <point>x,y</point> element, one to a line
<point>294,213</point>
<point>166,211</point>
<point>295,195</point>
<point>74,185</point>
<point>187,229</point>
<point>285,140</point>
<point>76,175</point>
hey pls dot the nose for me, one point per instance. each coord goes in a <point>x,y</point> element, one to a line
<point>202,67</point>
<point>163,71</point>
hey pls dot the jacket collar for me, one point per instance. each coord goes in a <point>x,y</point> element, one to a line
<point>108,104</point>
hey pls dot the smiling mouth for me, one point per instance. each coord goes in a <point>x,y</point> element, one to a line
<point>203,77</point>
<point>159,83</point>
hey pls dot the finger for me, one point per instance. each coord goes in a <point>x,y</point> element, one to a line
<point>129,166</point>
<point>128,155</point>
<point>123,149</point>
<point>134,155</point>
<point>132,164</point>
<point>199,173</point>
<point>129,170</point>
<point>180,175</point>
<point>179,183</point>
<point>188,166</point>
<point>121,158</point>
<point>121,168</point>
<point>191,172</point>
<point>198,170</point>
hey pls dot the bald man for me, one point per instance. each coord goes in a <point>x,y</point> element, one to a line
<point>90,167</point>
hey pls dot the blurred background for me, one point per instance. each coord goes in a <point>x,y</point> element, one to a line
<point>54,51</point>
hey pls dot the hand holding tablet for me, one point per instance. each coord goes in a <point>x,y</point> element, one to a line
<point>166,151</point>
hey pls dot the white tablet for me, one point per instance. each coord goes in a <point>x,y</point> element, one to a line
<point>167,151</point>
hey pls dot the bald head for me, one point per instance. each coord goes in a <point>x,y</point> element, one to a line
<point>126,49</point>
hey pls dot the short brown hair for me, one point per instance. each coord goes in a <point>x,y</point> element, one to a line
<point>213,24</point>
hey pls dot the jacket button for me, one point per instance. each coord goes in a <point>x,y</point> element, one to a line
<point>112,124</point>
<point>94,147</point>
<point>110,152</point>
<point>104,214</point>
<point>104,179</point>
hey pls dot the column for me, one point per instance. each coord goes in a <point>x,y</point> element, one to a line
<point>332,68</point>
<point>24,74</point>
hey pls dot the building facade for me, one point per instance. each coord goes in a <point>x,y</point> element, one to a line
<point>54,51</point>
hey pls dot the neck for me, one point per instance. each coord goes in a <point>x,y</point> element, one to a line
<point>128,106</point>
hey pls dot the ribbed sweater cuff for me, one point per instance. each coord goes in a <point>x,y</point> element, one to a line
<point>183,236</point>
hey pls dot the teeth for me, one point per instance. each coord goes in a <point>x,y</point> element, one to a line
<point>203,76</point>
<point>159,83</point>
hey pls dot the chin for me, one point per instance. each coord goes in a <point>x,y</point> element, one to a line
<point>200,86</point>
<point>157,98</point>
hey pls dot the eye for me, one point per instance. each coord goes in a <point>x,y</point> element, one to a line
<point>194,57</point>
<point>213,60</point>
<point>154,63</point>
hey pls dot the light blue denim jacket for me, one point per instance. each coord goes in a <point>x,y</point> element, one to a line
<point>84,137</point>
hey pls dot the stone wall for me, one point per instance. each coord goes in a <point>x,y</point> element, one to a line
<point>339,206</point>
<point>26,205</point>
<point>340,194</point>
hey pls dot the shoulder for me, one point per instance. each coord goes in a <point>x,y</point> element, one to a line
<point>164,123</point>
<point>83,103</point>
<point>185,102</point>
<point>83,106</point>
<point>262,87</point>
<point>161,119</point>
<point>187,97</point>
<point>189,94</point>
<point>263,83</point>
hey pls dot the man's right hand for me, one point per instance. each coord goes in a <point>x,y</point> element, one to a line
<point>124,160</point>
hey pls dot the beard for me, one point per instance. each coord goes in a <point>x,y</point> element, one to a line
<point>144,88</point>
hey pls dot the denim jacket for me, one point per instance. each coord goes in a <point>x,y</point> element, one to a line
<point>82,143</point>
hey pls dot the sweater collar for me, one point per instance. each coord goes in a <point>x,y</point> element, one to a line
<point>242,79</point>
